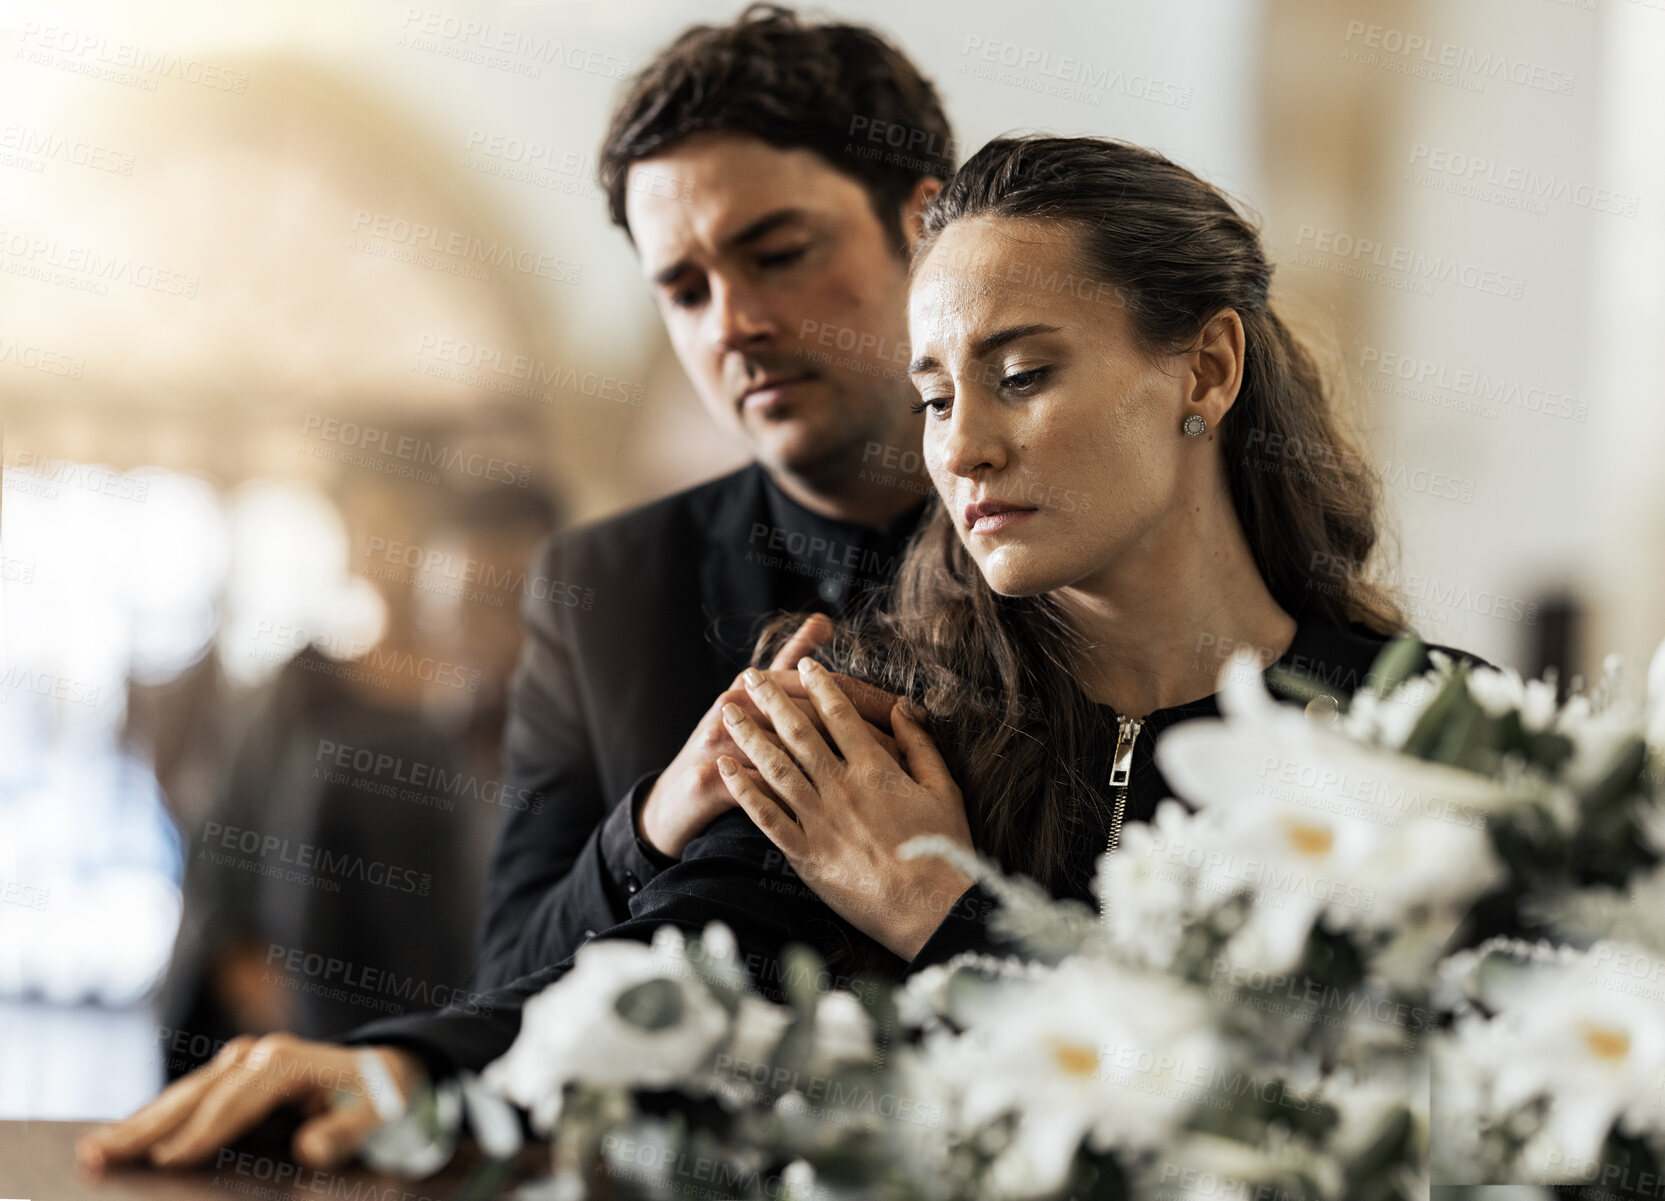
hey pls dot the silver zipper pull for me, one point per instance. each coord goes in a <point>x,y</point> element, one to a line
<point>1121,772</point>
<point>1127,733</point>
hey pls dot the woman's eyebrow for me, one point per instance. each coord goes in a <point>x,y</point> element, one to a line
<point>987,344</point>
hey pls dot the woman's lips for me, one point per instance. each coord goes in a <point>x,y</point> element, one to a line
<point>990,517</point>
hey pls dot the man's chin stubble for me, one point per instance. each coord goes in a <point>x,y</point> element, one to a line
<point>829,461</point>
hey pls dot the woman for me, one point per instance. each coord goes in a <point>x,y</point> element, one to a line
<point>1139,469</point>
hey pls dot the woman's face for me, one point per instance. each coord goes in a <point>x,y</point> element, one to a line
<point>1053,440</point>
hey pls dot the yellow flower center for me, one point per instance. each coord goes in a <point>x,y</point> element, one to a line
<point>1074,1059</point>
<point>1605,1042</point>
<point>1309,839</point>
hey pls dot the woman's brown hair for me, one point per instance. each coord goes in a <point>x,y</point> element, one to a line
<point>997,675</point>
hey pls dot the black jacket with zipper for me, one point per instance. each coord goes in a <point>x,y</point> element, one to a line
<point>1335,659</point>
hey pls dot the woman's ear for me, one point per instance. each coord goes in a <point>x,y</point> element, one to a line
<point>1216,367</point>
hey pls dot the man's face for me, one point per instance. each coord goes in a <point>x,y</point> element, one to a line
<point>783,297</point>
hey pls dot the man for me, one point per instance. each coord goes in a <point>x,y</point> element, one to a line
<point>760,229</point>
<point>771,176</point>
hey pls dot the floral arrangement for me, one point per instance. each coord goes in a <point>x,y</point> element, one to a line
<point>1413,936</point>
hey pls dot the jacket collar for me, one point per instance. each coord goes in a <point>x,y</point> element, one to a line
<point>751,527</point>
<point>1340,659</point>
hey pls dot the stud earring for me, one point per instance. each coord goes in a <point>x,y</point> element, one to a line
<point>1194,425</point>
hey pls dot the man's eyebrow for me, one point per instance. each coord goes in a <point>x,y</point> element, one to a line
<point>987,344</point>
<point>750,232</point>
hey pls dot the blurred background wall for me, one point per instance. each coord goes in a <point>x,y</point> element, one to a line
<point>293,295</point>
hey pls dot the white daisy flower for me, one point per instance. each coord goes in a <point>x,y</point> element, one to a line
<point>1314,823</point>
<point>1087,1051</point>
<point>574,1030</point>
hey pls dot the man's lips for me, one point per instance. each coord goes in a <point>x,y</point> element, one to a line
<point>991,516</point>
<point>767,393</point>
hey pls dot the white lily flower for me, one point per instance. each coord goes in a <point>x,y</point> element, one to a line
<point>1656,701</point>
<point>573,1030</point>
<point>843,1033</point>
<point>1501,691</point>
<point>798,1181</point>
<point>1089,1050</point>
<point>1315,823</point>
<point>1388,721</point>
<point>758,1027</point>
<point>1597,1040</point>
<point>1596,738</point>
<point>1364,1102</point>
<point>737,1072</point>
<point>1146,897</point>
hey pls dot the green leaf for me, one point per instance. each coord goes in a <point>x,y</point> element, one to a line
<point>1425,734</point>
<point>1389,1148</point>
<point>1621,778</point>
<point>1293,686</point>
<point>1398,661</point>
<point>720,978</point>
<point>795,1048</point>
<point>803,970</point>
<point>487,1179</point>
<point>1467,736</point>
<point>652,1004</point>
<point>1546,750</point>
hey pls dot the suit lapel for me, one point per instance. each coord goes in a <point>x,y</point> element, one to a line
<point>737,592</point>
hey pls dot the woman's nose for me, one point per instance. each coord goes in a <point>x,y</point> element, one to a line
<point>972,441</point>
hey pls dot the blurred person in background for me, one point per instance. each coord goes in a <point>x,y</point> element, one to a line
<point>474,575</point>
<point>338,872</point>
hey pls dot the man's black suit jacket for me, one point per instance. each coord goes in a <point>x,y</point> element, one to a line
<point>634,625</point>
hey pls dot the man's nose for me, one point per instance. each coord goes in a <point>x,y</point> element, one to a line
<point>739,319</point>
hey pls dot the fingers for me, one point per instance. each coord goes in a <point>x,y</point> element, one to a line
<point>769,817</point>
<point>797,733</point>
<point>335,1136</point>
<point>871,702</point>
<point>239,1099</point>
<point>850,732</point>
<point>214,1105</point>
<point>920,755</point>
<point>739,696</point>
<point>886,742</point>
<point>133,1138</point>
<point>816,631</point>
<point>384,1079</point>
<point>773,763</point>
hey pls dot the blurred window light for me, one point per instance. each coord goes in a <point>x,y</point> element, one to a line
<point>109,575</point>
<point>172,567</point>
<point>288,583</point>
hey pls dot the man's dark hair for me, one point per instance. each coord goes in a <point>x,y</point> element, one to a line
<point>839,90</point>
